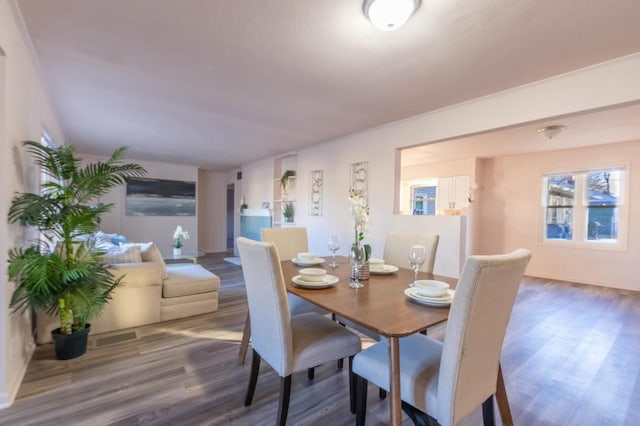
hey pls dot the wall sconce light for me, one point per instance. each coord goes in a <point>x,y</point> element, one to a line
<point>550,132</point>
<point>389,15</point>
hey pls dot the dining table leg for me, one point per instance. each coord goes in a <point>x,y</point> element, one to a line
<point>395,400</point>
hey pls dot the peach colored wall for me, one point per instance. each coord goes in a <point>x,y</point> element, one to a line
<point>510,215</point>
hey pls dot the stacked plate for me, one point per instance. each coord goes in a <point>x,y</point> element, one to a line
<point>328,281</point>
<point>300,262</point>
<point>414,295</point>
<point>383,270</point>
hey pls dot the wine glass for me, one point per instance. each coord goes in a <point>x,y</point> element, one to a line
<point>357,257</point>
<point>417,256</point>
<point>334,245</point>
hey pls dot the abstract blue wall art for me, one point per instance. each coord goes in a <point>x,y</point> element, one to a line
<point>160,197</point>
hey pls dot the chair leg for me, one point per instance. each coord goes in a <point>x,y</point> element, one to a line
<point>285,393</point>
<point>488,418</point>
<point>418,417</point>
<point>352,387</point>
<point>253,378</point>
<point>340,361</point>
<point>361,400</point>
<point>382,394</point>
<point>244,343</point>
<point>311,372</point>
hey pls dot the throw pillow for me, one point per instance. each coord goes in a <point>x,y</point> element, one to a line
<point>122,255</point>
<point>118,239</point>
<point>150,253</point>
<point>103,241</point>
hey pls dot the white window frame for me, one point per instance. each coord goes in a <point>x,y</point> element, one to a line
<point>581,210</point>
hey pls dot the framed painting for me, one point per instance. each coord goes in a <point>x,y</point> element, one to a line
<point>160,197</point>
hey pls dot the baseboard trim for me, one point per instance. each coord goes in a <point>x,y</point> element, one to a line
<point>7,398</point>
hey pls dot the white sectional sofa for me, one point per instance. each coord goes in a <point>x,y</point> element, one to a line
<point>145,297</point>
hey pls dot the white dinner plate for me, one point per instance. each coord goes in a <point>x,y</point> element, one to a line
<point>385,270</point>
<point>329,281</point>
<point>437,302</point>
<point>316,261</point>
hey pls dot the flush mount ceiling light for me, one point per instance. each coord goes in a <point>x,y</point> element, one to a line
<point>550,132</point>
<point>389,15</point>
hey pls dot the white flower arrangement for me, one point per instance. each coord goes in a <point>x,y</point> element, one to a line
<point>178,235</point>
<point>360,214</point>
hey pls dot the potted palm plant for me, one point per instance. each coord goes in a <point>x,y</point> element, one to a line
<point>288,211</point>
<point>62,272</point>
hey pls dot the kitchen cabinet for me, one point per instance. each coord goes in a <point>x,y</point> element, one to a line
<point>452,193</point>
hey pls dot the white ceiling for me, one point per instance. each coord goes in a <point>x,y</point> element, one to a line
<point>218,83</point>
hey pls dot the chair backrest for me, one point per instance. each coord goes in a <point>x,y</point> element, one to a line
<point>289,241</point>
<point>397,245</point>
<point>268,306</point>
<point>477,323</point>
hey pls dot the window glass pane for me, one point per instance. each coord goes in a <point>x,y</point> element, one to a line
<point>603,188</point>
<point>561,190</point>
<point>559,223</point>
<point>424,200</point>
<point>602,223</point>
<point>603,196</point>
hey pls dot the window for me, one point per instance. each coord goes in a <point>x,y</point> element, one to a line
<point>424,200</point>
<point>585,206</point>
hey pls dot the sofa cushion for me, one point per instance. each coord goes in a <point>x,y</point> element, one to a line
<point>188,279</point>
<point>122,255</point>
<point>150,253</point>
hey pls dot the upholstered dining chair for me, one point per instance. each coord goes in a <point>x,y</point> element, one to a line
<point>446,381</point>
<point>397,245</point>
<point>289,242</point>
<point>287,343</point>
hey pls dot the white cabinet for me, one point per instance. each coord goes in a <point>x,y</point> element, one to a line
<point>452,193</point>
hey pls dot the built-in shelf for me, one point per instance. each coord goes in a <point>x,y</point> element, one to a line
<point>280,195</point>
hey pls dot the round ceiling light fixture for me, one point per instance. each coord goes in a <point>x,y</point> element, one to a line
<point>389,15</point>
<point>550,132</point>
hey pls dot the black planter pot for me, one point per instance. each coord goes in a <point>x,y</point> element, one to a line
<point>69,346</point>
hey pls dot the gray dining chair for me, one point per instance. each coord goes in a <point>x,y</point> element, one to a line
<point>289,242</point>
<point>397,245</point>
<point>446,381</point>
<point>287,343</point>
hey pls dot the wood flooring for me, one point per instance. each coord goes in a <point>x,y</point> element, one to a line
<point>571,357</point>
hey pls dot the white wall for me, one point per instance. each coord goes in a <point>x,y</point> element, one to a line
<point>24,111</point>
<point>511,215</point>
<point>599,86</point>
<point>158,229</point>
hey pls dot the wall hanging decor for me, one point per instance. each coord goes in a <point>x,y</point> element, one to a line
<point>161,197</point>
<point>316,192</point>
<point>360,180</point>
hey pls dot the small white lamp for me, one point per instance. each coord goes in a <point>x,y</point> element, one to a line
<point>389,15</point>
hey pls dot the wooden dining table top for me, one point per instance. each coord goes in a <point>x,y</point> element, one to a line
<point>380,306</point>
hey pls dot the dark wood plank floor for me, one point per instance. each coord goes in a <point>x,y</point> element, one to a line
<point>571,357</point>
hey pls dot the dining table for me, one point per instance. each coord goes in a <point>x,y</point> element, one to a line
<point>382,307</point>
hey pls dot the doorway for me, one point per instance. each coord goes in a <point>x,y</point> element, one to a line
<point>230,215</point>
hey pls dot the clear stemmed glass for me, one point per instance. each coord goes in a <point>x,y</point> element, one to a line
<point>357,257</point>
<point>417,256</point>
<point>334,245</point>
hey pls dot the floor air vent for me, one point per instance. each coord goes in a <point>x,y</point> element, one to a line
<point>116,338</point>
